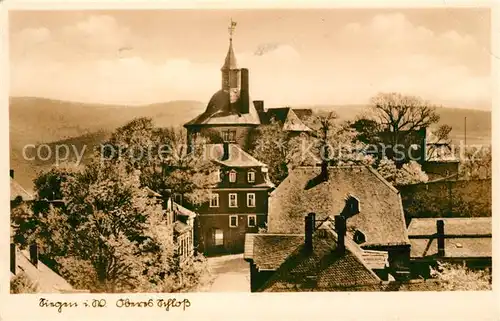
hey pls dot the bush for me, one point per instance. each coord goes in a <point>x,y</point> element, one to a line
<point>20,283</point>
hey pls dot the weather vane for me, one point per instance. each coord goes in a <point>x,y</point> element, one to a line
<point>231,28</point>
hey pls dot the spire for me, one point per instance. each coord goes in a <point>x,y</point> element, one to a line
<point>230,62</point>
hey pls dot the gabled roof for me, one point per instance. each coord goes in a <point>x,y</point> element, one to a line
<point>237,156</point>
<point>290,120</point>
<point>46,280</point>
<point>381,216</point>
<point>16,190</point>
<point>323,269</point>
<point>464,237</point>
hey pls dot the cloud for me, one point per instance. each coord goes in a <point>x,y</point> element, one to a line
<point>388,52</point>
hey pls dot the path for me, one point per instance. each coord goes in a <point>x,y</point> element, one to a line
<point>232,273</point>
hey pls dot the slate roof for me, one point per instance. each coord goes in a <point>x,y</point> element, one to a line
<point>230,61</point>
<point>220,111</point>
<point>324,269</point>
<point>16,190</point>
<point>464,237</point>
<point>237,156</point>
<point>46,280</point>
<point>381,216</point>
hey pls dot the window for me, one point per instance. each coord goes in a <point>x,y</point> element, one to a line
<point>218,236</point>
<point>251,200</point>
<point>214,200</point>
<point>251,176</point>
<point>252,220</point>
<point>233,200</point>
<point>233,220</point>
<point>178,198</point>
<point>217,175</point>
<point>232,176</point>
<point>229,136</point>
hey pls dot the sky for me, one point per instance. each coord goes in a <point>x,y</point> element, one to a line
<point>294,57</point>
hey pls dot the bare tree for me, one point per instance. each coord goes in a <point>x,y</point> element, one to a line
<point>400,113</point>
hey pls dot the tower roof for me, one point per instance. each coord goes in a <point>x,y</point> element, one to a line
<point>230,61</point>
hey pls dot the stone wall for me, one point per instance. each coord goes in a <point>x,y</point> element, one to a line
<point>460,198</point>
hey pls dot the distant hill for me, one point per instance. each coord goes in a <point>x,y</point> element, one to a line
<point>39,120</point>
<point>53,122</point>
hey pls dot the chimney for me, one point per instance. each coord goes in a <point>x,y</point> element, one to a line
<point>13,264</point>
<point>11,173</point>
<point>244,92</point>
<point>440,237</point>
<point>259,105</point>
<point>324,170</point>
<point>34,254</point>
<point>225,155</point>
<point>310,221</point>
<point>340,228</point>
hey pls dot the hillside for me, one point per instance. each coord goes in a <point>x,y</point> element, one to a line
<point>38,120</point>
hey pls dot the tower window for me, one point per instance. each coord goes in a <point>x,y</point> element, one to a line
<point>229,136</point>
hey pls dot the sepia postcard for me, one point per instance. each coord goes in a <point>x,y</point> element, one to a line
<point>248,161</point>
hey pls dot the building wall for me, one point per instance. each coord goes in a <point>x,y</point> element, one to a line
<point>461,198</point>
<point>233,237</point>
<point>243,134</point>
<point>261,200</point>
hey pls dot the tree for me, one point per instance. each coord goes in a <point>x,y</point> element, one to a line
<point>396,112</point>
<point>20,284</point>
<point>273,145</point>
<point>410,173</point>
<point>367,130</point>
<point>475,163</point>
<point>460,278</point>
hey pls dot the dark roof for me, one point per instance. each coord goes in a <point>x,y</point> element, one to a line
<point>323,269</point>
<point>221,112</point>
<point>381,216</point>
<point>230,61</point>
<point>464,237</point>
<point>237,156</point>
<point>269,251</point>
<point>16,190</point>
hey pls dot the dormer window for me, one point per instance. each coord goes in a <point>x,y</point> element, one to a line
<point>232,176</point>
<point>352,205</point>
<point>251,176</point>
<point>359,237</point>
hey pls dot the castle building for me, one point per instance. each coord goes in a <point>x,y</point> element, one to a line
<point>239,201</point>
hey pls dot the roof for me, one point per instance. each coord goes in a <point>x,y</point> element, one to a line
<point>464,237</point>
<point>269,251</point>
<point>291,121</point>
<point>181,210</point>
<point>152,193</point>
<point>381,216</point>
<point>237,156</point>
<point>47,281</point>
<point>220,111</point>
<point>180,227</point>
<point>230,61</point>
<point>323,269</point>
<point>16,190</point>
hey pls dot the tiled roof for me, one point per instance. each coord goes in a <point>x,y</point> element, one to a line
<point>16,190</point>
<point>237,156</point>
<point>46,280</point>
<point>323,269</point>
<point>269,251</point>
<point>381,216</point>
<point>464,237</point>
<point>221,112</point>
